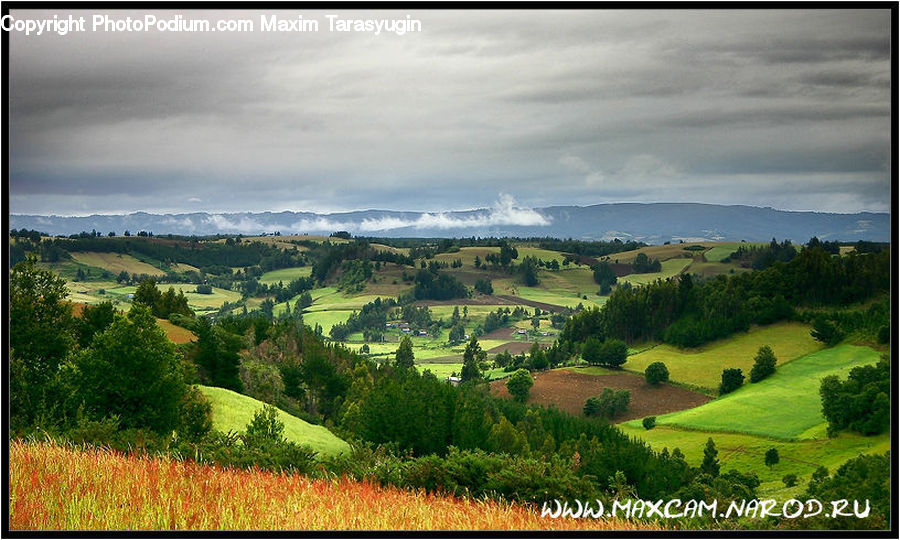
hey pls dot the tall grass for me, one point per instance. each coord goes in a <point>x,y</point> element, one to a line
<point>60,488</point>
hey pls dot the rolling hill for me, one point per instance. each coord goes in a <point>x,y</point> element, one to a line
<point>233,411</point>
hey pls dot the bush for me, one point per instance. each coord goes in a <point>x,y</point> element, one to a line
<point>656,373</point>
<point>826,332</point>
<point>609,404</point>
<point>764,364</point>
<point>884,334</point>
<point>519,385</point>
<point>790,480</point>
<point>732,379</point>
<point>772,457</point>
<point>204,289</point>
<point>649,422</point>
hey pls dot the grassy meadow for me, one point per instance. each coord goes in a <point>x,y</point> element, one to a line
<point>233,411</point>
<point>785,405</point>
<point>116,262</point>
<point>702,367</point>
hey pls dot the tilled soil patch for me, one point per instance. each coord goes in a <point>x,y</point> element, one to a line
<point>568,390</point>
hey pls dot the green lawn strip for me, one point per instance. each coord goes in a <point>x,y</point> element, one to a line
<point>285,275</point>
<point>670,268</point>
<point>786,405</point>
<point>703,367</point>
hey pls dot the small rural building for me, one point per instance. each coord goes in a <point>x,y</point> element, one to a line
<point>454,380</point>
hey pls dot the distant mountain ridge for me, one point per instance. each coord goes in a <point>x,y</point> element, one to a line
<point>648,222</point>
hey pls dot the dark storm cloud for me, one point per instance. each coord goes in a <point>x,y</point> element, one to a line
<point>784,108</point>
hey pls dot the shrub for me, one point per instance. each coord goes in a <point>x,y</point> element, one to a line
<point>790,480</point>
<point>519,385</point>
<point>609,404</point>
<point>656,373</point>
<point>772,457</point>
<point>649,422</point>
<point>764,364</point>
<point>826,332</point>
<point>732,379</point>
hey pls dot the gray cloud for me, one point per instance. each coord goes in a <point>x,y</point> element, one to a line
<point>553,107</point>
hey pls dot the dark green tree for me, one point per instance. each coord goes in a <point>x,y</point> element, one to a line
<point>473,358</point>
<point>763,365</point>
<point>710,464</point>
<point>772,457</point>
<point>404,357</point>
<point>826,332</point>
<point>147,293</point>
<point>216,354</point>
<point>656,373</point>
<point>613,353</point>
<point>732,379</point>
<point>94,319</point>
<point>41,335</point>
<point>519,385</point>
<point>133,371</point>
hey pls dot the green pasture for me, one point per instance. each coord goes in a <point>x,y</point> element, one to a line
<point>703,367</point>
<point>325,319</point>
<point>442,371</point>
<point>785,405</point>
<point>593,370</point>
<point>233,411</point>
<point>670,268</point>
<point>285,275</point>
<point>116,262</point>
<point>570,300</point>
<point>746,452</point>
<point>720,251</point>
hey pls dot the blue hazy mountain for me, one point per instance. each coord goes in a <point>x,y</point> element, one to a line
<point>651,223</point>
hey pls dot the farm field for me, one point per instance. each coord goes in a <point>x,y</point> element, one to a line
<point>175,333</point>
<point>326,319</point>
<point>233,411</point>
<point>197,302</point>
<point>661,252</point>
<point>116,262</point>
<point>561,298</point>
<point>285,275</point>
<point>442,370</point>
<point>670,268</point>
<point>786,405</point>
<point>162,494</point>
<point>746,452</point>
<point>703,367</point>
<point>720,251</point>
<point>568,389</point>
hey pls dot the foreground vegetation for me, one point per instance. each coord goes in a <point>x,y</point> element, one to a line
<point>59,488</point>
<point>353,342</point>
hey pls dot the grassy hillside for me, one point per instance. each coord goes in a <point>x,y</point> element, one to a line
<point>703,367</point>
<point>285,275</point>
<point>786,405</point>
<point>233,411</point>
<point>116,262</point>
<point>746,453</point>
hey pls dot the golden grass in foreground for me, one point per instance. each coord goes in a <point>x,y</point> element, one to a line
<point>54,487</point>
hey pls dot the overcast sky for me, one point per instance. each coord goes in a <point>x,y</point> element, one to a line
<point>788,109</point>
